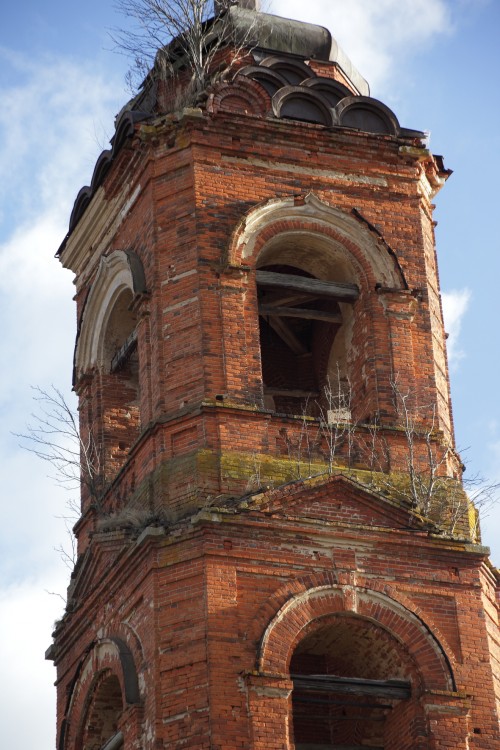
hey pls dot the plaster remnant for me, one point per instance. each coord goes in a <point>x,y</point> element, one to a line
<point>178,305</point>
<point>360,179</point>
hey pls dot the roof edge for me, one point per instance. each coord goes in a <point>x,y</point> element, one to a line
<point>286,35</point>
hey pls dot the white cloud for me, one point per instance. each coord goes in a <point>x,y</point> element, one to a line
<point>47,151</point>
<point>374,34</point>
<point>53,123</point>
<point>455,305</point>
<point>27,704</point>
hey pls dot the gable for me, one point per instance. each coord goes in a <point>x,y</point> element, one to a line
<point>336,500</point>
<point>94,565</point>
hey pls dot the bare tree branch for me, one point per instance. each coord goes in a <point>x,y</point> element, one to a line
<point>166,35</point>
<point>54,436</point>
<point>430,483</point>
<point>336,425</point>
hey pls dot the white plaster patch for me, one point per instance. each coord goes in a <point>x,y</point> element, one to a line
<point>331,174</point>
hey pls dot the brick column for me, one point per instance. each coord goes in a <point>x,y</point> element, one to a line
<point>131,725</point>
<point>269,702</point>
<point>399,308</point>
<point>447,718</point>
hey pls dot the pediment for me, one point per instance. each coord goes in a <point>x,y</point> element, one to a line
<point>336,499</point>
<point>93,566</point>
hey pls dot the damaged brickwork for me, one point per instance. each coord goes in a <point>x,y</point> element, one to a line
<point>240,583</point>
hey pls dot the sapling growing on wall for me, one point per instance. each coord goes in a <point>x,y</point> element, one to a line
<point>173,35</point>
<point>423,471</point>
<point>426,485</point>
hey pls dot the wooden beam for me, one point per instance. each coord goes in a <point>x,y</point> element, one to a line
<point>114,743</point>
<point>327,289</point>
<point>397,689</point>
<point>289,299</point>
<point>124,352</point>
<point>287,335</point>
<point>300,312</point>
<point>290,393</point>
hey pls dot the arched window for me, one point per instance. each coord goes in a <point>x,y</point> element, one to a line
<point>293,71</point>
<point>101,727</point>
<point>120,381</point>
<point>365,113</point>
<point>305,321</point>
<point>103,699</point>
<point>352,688</point>
<point>322,321</point>
<point>108,352</point>
<point>362,667</point>
<point>302,103</point>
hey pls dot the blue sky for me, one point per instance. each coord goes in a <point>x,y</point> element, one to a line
<point>434,62</point>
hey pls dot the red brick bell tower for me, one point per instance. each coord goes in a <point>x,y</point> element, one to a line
<point>275,550</point>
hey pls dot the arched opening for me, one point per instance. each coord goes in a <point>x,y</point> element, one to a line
<point>354,688</point>
<point>268,79</point>
<point>332,91</point>
<point>120,381</point>
<point>104,693</point>
<point>107,374</point>
<point>363,118</point>
<point>101,728</point>
<point>306,319</point>
<point>120,329</point>
<point>365,113</point>
<point>302,103</point>
<point>323,244</point>
<point>293,71</point>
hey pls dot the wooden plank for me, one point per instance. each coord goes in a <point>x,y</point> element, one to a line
<point>327,699</point>
<point>290,393</point>
<point>300,312</point>
<point>288,299</point>
<point>114,743</point>
<point>396,689</point>
<point>326,289</point>
<point>288,336</point>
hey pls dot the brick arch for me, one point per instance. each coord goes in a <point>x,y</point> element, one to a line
<point>318,239</point>
<point>107,658</point>
<point>110,340</point>
<point>308,215</point>
<point>283,594</point>
<point>242,96</point>
<point>103,711</point>
<point>294,619</point>
<point>429,624</point>
<point>118,272</point>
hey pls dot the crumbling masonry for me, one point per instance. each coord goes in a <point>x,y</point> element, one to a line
<point>262,375</point>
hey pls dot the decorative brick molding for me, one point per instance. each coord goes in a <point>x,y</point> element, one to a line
<point>337,236</point>
<point>108,662</point>
<point>299,613</point>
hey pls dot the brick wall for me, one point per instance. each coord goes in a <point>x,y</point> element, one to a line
<point>225,539</point>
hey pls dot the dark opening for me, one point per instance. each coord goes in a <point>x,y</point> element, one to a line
<point>105,710</point>
<point>365,119</point>
<point>300,317</point>
<point>349,677</point>
<point>120,383</point>
<point>304,107</point>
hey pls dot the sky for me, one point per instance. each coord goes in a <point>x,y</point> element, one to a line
<point>434,62</point>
